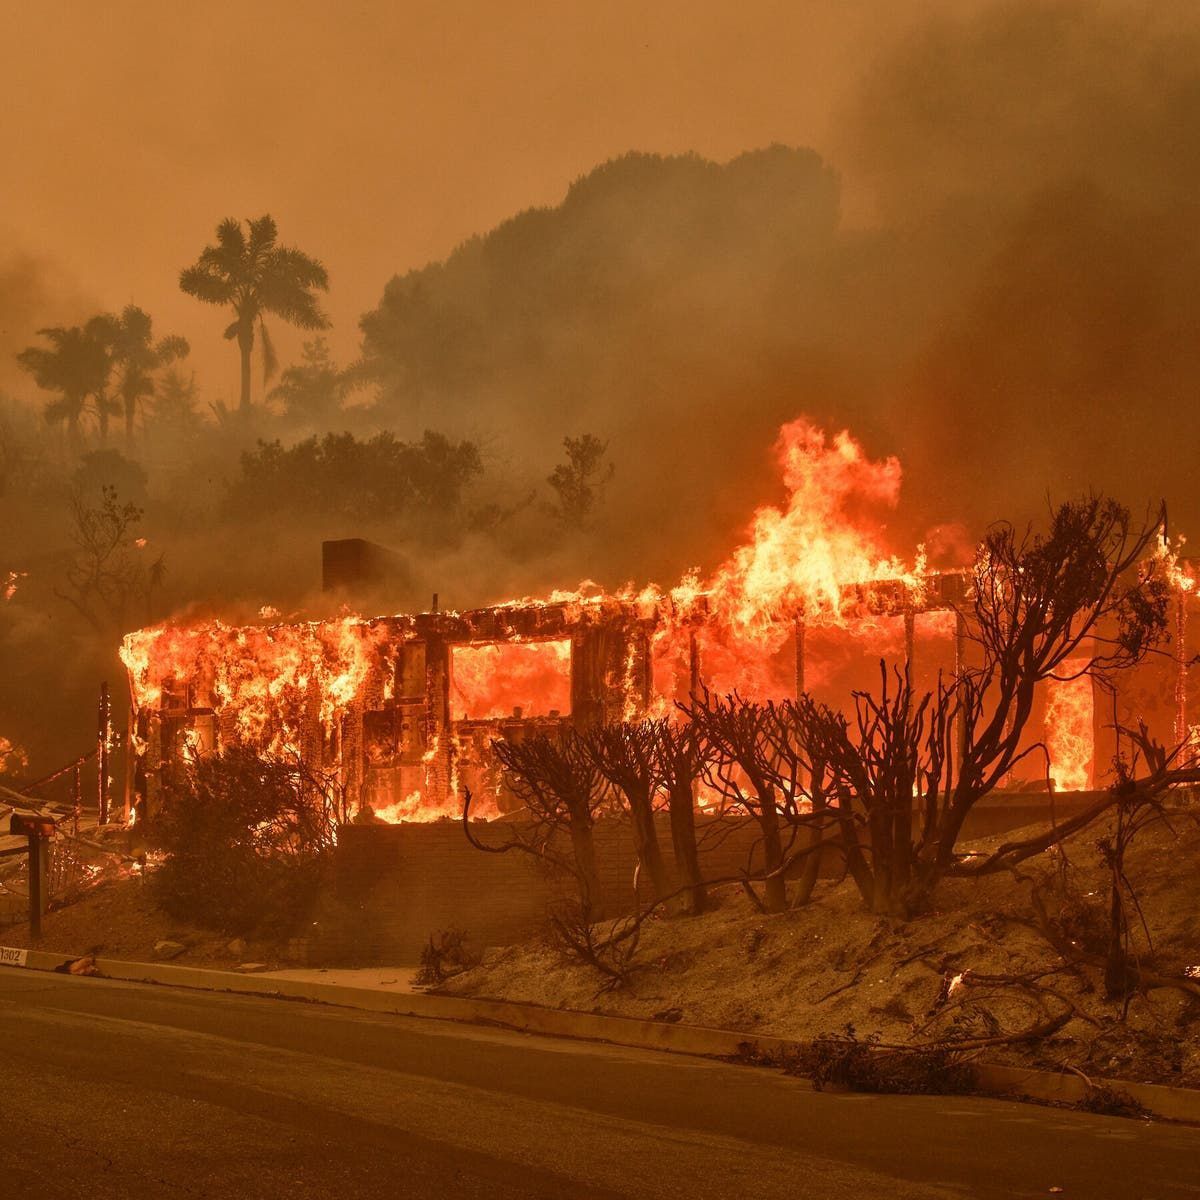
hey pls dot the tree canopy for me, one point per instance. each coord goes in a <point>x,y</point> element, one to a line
<point>249,271</point>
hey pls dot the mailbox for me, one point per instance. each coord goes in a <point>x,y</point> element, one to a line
<point>32,825</point>
<point>38,829</point>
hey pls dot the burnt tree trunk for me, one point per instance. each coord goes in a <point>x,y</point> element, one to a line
<point>774,885</point>
<point>645,841</point>
<point>683,844</point>
<point>245,340</point>
<point>584,848</point>
<point>810,870</point>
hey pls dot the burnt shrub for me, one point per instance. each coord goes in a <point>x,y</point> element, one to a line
<point>445,955</point>
<point>846,1061</point>
<point>1112,1101</point>
<point>246,838</point>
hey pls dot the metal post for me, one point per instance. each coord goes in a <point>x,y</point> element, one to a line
<point>37,882</point>
<point>103,745</point>
<point>1181,661</point>
<point>76,799</point>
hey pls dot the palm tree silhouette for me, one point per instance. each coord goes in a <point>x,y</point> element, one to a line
<point>138,356</point>
<point>76,364</point>
<point>252,273</point>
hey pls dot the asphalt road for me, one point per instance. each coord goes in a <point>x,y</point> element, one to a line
<point>130,1091</point>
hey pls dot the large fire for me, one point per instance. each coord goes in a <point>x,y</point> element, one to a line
<point>260,679</point>
<point>351,686</point>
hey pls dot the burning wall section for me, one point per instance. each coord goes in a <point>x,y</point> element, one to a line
<point>395,713</point>
<point>398,712</point>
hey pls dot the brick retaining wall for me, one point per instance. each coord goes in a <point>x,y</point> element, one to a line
<point>397,884</point>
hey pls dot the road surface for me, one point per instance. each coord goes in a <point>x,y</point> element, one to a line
<point>131,1091</point>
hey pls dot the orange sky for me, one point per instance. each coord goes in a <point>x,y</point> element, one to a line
<point>378,134</point>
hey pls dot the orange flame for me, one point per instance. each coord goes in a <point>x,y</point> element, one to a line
<point>799,562</point>
<point>802,557</point>
<point>501,678</point>
<point>1070,713</point>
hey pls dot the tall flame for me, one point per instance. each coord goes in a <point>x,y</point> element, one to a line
<point>801,557</point>
<point>798,562</point>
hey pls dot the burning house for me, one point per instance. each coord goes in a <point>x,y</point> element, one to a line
<point>399,712</point>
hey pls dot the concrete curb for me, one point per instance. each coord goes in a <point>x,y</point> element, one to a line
<point>1176,1104</point>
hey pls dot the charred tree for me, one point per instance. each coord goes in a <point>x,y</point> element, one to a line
<point>561,789</point>
<point>870,766</point>
<point>738,767</point>
<point>623,754</point>
<point>800,771</point>
<point>678,759</point>
<point>907,770</point>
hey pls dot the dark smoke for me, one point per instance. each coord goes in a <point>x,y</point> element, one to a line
<point>1036,170</point>
<point>1010,310</point>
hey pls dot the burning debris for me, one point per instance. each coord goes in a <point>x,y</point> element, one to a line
<point>13,759</point>
<point>401,711</point>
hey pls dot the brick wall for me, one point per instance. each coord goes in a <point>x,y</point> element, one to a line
<point>397,884</point>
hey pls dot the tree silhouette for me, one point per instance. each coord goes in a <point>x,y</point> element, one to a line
<point>76,365</point>
<point>312,391</point>
<point>138,356</point>
<point>109,575</point>
<point>579,483</point>
<point>174,401</point>
<point>249,271</point>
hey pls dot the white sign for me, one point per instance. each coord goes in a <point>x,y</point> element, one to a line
<point>11,957</point>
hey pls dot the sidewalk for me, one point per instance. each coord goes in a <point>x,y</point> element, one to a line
<point>391,991</point>
<point>387,979</point>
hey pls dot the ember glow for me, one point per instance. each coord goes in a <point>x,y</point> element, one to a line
<point>12,758</point>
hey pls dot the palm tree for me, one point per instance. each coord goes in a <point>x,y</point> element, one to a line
<point>76,364</point>
<point>254,275</point>
<point>138,355</point>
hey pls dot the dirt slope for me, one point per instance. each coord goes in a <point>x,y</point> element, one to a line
<point>819,968</point>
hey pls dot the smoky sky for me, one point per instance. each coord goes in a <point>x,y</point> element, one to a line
<point>380,135</point>
<point>997,288</point>
<point>978,250</point>
<point>1017,198</point>
<point>1036,168</point>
